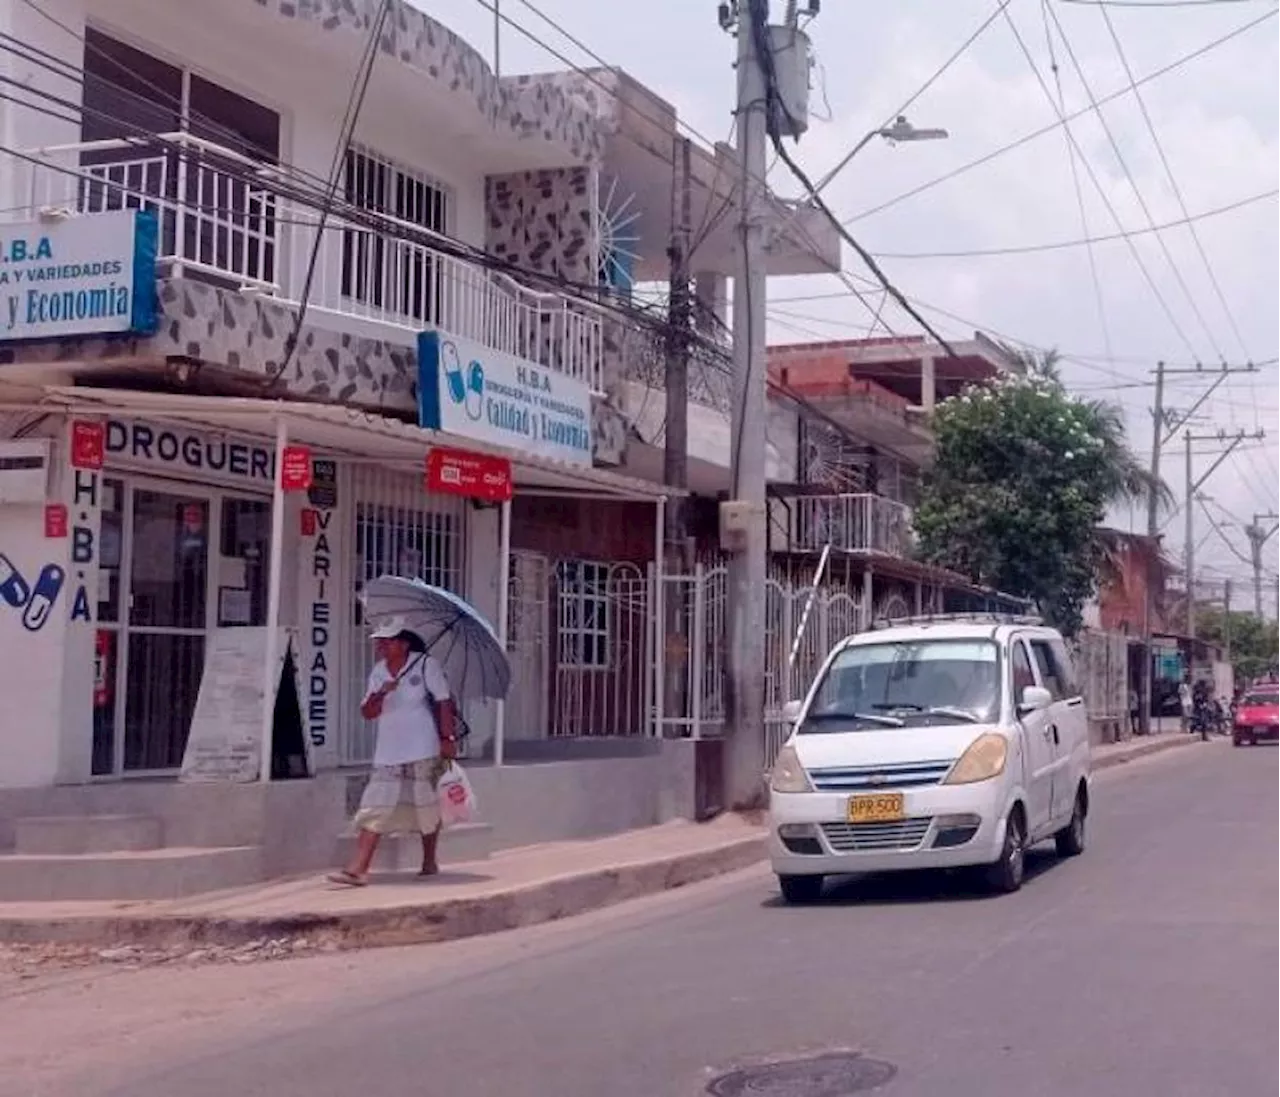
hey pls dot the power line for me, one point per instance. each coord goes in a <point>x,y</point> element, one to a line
<point>1173,182</point>
<point>1106,201</point>
<point>346,134</point>
<point>1099,302</point>
<point>1153,3</point>
<point>1085,241</point>
<point>1172,66</point>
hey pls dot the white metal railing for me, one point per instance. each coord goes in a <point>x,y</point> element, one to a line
<point>227,217</point>
<point>859,522</point>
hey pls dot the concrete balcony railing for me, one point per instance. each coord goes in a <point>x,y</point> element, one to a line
<point>849,523</point>
<point>229,219</point>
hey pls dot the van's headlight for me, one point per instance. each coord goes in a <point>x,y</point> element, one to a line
<point>788,774</point>
<point>984,760</point>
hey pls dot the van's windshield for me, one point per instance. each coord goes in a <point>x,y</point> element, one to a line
<point>920,683</point>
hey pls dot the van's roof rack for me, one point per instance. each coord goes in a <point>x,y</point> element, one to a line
<point>976,618</point>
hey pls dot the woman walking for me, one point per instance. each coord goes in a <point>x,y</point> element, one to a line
<point>408,697</point>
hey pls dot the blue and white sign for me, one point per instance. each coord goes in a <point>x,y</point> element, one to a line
<point>467,389</point>
<point>89,275</point>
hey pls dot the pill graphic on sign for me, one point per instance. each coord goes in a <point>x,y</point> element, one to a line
<point>14,588</point>
<point>48,585</point>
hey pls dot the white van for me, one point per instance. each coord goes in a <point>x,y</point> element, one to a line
<point>957,740</point>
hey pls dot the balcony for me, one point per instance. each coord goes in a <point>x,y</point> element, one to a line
<point>863,523</point>
<point>231,221</point>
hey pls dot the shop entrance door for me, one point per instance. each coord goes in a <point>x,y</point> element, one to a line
<point>167,556</point>
<point>185,560</point>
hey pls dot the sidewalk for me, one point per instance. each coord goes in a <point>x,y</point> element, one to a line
<point>1107,755</point>
<point>518,887</point>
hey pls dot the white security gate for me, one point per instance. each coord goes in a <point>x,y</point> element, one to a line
<point>603,650</point>
<point>398,529</point>
<point>692,653</point>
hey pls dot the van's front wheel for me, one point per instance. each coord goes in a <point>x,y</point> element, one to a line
<point>1005,875</point>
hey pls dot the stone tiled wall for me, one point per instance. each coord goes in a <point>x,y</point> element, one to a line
<point>232,334</point>
<point>523,106</point>
<point>548,221</point>
<point>545,221</point>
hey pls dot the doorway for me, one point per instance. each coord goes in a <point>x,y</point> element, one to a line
<point>176,561</point>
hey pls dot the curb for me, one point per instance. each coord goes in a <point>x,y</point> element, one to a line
<point>417,923</point>
<point>1144,748</point>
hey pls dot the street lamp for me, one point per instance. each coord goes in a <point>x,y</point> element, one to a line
<point>899,131</point>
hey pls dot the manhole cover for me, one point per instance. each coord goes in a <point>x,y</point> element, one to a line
<point>838,1074</point>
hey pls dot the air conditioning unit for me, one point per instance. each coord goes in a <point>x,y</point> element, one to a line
<point>24,470</point>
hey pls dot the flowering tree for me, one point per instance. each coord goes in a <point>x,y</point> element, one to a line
<point>1022,478</point>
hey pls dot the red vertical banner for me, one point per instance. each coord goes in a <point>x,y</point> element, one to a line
<point>55,520</point>
<point>88,444</point>
<point>295,468</point>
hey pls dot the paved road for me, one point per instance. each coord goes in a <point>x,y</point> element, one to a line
<point>1147,966</point>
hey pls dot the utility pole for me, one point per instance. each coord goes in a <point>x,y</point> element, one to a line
<point>746,510</point>
<point>1162,433</point>
<point>675,460</point>
<point>1257,538</point>
<point>1193,486</point>
<point>1226,618</point>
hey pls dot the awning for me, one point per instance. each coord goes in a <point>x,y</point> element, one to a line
<point>337,430</point>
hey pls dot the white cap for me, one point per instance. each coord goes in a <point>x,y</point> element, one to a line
<point>389,629</point>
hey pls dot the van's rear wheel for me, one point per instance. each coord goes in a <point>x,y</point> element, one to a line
<point>1070,839</point>
<point>1005,875</point>
<point>800,889</point>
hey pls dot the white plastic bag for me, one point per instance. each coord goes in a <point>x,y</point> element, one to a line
<point>457,799</point>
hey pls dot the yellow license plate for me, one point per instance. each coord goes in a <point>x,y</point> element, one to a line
<point>878,807</point>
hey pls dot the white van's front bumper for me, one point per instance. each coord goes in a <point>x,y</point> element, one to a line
<point>809,832</point>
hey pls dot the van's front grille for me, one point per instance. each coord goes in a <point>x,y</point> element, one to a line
<point>901,835</point>
<point>865,778</point>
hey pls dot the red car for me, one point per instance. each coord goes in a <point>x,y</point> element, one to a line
<point>1257,715</point>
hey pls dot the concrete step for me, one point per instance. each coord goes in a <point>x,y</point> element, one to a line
<point>72,834</point>
<point>403,852</point>
<point>128,874</point>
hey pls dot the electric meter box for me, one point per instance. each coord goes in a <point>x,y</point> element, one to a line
<point>792,65</point>
<point>737,516</point>
<point>24,470</point>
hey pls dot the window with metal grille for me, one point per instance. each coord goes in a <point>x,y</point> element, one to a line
<point>396,276</point>
<point>584,614</point>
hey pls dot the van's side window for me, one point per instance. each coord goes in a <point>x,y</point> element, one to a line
<point>1049,671</point>
<point>1021,666</point>
<point>1066,671</point>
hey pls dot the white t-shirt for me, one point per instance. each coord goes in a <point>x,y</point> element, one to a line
<point>406,728</point>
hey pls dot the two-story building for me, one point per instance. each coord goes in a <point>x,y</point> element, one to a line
<point>218,416</point>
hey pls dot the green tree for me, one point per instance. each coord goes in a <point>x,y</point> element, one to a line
<point>1254,643</point>
<point>1021,480</point>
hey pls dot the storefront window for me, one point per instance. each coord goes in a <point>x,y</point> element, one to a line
<point>242,581</point>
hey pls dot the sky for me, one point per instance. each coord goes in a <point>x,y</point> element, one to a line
<point>1215,121</point>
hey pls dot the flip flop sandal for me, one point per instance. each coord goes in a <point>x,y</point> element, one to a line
<point>347,879</point>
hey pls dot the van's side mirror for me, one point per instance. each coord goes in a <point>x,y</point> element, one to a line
<point>1034,698</point>
<point>791,712</point>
